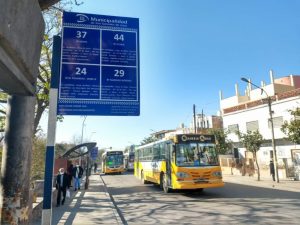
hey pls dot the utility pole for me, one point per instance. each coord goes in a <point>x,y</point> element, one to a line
<point>16,160</point>
<point>82,127</point>
<point>194,113</point>
<point>273,138</point>
<point>271,122</point>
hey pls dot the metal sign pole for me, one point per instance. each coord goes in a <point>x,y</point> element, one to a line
<point>50,153</point>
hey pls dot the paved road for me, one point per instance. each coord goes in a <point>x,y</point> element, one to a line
<point>232,204</point>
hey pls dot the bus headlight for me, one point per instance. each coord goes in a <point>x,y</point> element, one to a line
<point>182,175</point>
<point>217,174</point>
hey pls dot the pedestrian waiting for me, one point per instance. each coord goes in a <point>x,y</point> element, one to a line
<point>95,167</point>
<point>77,174</point>
<point>70,174</point>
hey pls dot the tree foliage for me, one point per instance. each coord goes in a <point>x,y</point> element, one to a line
<point>292,128</point>
<point>52,17</point>
<point>252,141</point>
<point>46,4</point>
<point>3,100</point>
<point>62,148</point>
<point>149,139</point>
<point>38,157</point>
<point>223,145</point>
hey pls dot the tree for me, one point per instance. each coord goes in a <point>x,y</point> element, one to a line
<point>223,145</point>
<point>38,157</point>
<point>46,4</point>
<point>148,140</point>
<point>3,99</point>
<point>292,128</point>
<point>62,148</point>
<point>52,17</point>
<point>252,141</point>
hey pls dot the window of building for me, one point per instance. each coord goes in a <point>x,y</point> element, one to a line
<point>252,125</point>
<point>233,128</point>
<point>277,122</point>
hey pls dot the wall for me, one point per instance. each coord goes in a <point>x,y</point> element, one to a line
<point>261,113</point>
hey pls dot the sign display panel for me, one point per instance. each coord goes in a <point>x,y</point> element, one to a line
<point>99,72</point>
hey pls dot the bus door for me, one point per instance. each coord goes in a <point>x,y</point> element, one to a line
<point>137,159</point>
<point>168,162</point>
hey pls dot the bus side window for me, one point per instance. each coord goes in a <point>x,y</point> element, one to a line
<point>162,148</point>
<point>173,154</point>
<point>156,151</point>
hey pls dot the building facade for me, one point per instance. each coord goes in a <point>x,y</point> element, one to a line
<point>206,122</point>
<point>251,112</point>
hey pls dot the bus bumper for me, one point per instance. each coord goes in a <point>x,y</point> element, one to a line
<point>198,184</point>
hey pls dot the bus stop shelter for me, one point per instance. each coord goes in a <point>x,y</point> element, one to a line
<point>81,150</point>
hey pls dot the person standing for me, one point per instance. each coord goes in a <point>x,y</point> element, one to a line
<point>95,167</point>
<point>77,174</point>
<point>62,183</point>
<point>272,169</point>
<point>70,174</point>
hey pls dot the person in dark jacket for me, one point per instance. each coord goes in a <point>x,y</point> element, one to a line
<point>62,183</point>
<point>70,174</point>
<point>272,170</point>
<point>77,174</point>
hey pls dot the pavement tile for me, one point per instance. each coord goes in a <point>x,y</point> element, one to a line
<point>86,207</point>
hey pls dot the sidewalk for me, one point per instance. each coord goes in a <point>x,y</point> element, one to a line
<point>91,206</point>
<point>284,185</point>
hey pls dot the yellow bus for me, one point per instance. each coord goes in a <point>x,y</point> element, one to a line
<point>112,162</point>
<point>184,161</point>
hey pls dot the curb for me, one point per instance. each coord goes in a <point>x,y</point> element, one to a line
<point>283,185</point>
<point>115,208</point>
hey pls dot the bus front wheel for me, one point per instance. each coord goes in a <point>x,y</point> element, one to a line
<point>164,183</point>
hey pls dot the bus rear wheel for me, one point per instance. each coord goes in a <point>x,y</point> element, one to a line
<point>143,178</point>
<point>164,183</point>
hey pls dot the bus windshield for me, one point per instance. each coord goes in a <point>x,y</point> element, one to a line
<point>195,154</point>
<point>114,160</point>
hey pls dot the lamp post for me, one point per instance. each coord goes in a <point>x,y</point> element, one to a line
<point>271,122</point>
<point>82,127</point>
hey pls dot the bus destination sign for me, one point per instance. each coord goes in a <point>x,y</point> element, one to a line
<point>196,138</point>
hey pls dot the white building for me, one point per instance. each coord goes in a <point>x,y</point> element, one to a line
<point>206,122</point>
<point>251,112</point>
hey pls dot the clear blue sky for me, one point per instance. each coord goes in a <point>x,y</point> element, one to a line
<point>189,50</point>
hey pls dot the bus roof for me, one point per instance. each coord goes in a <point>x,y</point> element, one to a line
<point>184,138</point>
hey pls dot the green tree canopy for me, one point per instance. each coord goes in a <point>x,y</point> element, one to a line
<point>149,139</point>
<point>252,141</point>
<point>223,145</point>
<point>292,128</point>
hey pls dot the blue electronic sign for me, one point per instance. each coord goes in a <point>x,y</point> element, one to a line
<point>99,72</point>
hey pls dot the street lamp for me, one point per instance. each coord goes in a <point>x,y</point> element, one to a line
<point>272,125</point>
<point>83,123</point>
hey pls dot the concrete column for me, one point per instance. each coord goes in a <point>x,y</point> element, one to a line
<point>16,160</point>
<point>237,90</point>
<point>221,95</point>
<point>271,77</point>
<point>250,85</point>
<point>292,80</point>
